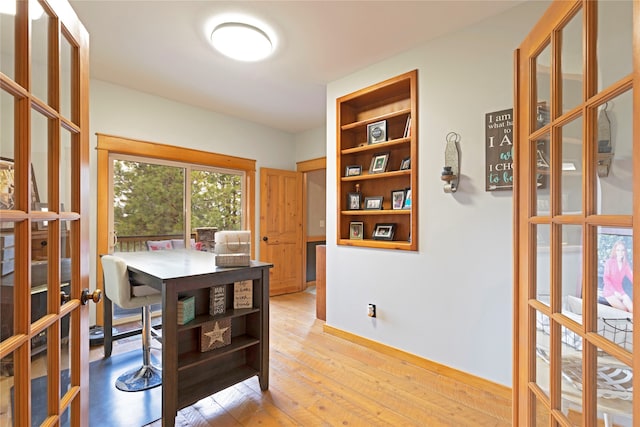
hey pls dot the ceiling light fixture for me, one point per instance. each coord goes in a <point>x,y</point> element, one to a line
<point>242,42</point>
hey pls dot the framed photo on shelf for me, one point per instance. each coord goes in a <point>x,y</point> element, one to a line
<point>373,203</point>
<point>384,231</point>
<point>407,199</point>
<point>353,170</point>
<point>356,230</point>
<point>397,199</point>
<point>377,132</point>
<point>379,163</point>
<point>354,200</point>
<point>405,164</point>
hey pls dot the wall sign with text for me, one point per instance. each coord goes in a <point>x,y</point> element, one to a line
<point>499,154</point>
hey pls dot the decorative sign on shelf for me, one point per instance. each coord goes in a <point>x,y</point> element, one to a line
<point>243,294</point>
<point>499,154</point>
<point>217,300</point>
<point>215,334</point>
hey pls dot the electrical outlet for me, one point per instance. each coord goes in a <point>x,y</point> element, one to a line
<point>371,311</point>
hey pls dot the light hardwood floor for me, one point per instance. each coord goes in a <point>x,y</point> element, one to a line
<point>317,379</point>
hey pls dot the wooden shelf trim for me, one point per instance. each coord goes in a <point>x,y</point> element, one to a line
<point>205,318</point>
<point>375,119</point>
<point>380,244</point>
<point>367,176</point>
<point>377,212</point>
<point>375,147</point>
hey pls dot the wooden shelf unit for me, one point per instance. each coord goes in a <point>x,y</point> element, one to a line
<point>393,100</point>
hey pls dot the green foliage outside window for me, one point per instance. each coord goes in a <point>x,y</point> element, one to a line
<point>149,199</point>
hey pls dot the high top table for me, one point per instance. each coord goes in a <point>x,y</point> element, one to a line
<point>188,374</point>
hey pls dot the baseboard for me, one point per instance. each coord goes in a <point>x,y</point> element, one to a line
<point>470,380</point>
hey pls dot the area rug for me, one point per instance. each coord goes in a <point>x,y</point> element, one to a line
<point>109,407</point>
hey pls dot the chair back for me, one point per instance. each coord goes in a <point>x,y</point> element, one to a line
<point>116,281</point>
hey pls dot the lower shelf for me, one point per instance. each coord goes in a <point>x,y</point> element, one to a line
<point>193,359</point>
<point>208,384</point>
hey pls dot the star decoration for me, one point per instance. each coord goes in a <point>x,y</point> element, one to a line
<point>216,334</point>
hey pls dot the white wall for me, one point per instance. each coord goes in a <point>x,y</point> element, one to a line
<point>450,302</point>
<point>311,144</point>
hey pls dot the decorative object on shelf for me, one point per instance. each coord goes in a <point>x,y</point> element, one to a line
<point>379,163</point>
<point>605,150</point>
<point>215,334</point>
<point>356,230</point>
<point>405,164</point>
<point>243,294</point>
<point>451,172</point>
<point>499,150</point>
<point>397,199</point>
<point>217,300</point>
<point>206,237</point>
<point>407,199</point>
<point>186,310</point>
<point>233,260</point>
<point>353,170</point>
<point>373,203</point>
<point>354,200</point>
<point>384,231</point>
<point>377,132</point>
<point>407,128</point>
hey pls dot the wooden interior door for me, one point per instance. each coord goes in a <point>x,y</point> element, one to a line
<point>281,228</point>
<point>575,195</point>
<point>44,175</point>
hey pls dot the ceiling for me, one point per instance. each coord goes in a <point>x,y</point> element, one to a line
<point>161,48</point>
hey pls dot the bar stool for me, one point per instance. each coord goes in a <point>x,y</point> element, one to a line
<point>118,289</point>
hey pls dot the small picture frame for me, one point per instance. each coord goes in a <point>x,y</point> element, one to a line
<point>373,203</point>
<point>377,132</point>
<point>397,199</point>
<point>353,170</point>
<point>407,199</point>
<point>356,230</point>
<point>354,201</point>
<point>405,164</point>
<point>379,163</point>
<point>384,231</point>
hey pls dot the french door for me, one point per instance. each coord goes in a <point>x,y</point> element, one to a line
<point>44,216</point>
<point>575,196</point>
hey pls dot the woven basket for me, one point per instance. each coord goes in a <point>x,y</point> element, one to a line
<point>232,260</point>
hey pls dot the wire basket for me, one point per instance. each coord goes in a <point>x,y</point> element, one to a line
<point>617,330</point>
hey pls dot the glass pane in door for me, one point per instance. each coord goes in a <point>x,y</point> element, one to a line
<point>39,163</point>
<point>216,199</point>
<point>543,263</point>
<point>543,331</point>
<point>615,285</point>
<point>65,170</point>
<point>614,166</point>
<point>148,207</point>
<point>571,265</point>
<point>571,383</point>
<point>39,385</point>
<point>614,46</point>
<point>39,51</point>
<point>541,159</point>
<point>614,391</point>
<point>7,120</point>
<point>8,40</point>
<point>66,78</point>
<point>571,179</point>
<point>543,87</point>
<point>571,63</point>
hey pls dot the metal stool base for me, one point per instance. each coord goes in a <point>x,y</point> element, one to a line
<point>139,379</point>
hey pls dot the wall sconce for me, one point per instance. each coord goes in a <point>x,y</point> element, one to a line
<point>451,170</point>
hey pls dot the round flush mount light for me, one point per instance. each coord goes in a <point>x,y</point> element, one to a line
<point>241,41</point>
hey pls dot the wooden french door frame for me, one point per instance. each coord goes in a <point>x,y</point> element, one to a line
<point>527,392</point>
<point>63,29</point>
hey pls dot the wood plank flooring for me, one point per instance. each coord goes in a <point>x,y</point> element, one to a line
<point>317,379</point>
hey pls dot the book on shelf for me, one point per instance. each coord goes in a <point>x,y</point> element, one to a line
<point>217,300</point>
<point>186,311</point>
<point>243,294</point>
